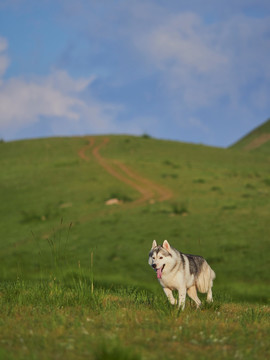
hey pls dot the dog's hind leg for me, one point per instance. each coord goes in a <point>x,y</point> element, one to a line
<point>192,293</point>
<point>209,296</point>
<point>209,292</point>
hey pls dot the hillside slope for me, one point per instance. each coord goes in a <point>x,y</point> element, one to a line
<point>258,139</point>
<point>204,200</point>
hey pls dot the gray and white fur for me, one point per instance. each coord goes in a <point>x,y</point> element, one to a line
<point>182,272</point>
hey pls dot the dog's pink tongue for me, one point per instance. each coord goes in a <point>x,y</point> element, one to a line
<point>159,273</point>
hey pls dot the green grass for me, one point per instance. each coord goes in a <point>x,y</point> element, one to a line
<point>253,135</point>
<point>75,282</point>
<point>54,320</point>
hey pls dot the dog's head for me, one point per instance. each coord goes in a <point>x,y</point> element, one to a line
<point>159,257</point>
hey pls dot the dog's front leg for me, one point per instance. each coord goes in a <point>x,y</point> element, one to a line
<point>170,296</point>
<point>182,298</point>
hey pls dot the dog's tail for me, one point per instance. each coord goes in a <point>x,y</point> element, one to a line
<point>204,281</point>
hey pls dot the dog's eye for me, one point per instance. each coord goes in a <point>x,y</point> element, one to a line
<point>161,257</point>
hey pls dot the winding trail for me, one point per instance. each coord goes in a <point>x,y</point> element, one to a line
<point>82,151</point>
<point>150,191</point>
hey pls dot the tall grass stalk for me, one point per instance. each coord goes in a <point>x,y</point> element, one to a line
<point>92,272</point>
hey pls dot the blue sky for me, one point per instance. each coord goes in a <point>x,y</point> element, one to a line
<point>194,71</point>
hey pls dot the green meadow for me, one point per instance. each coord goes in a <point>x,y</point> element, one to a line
<point>75,280</point>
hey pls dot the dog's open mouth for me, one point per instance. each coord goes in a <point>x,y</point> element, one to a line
<point>159,271</point>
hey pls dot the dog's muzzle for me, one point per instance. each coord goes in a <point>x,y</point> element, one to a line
<point>158,271</point>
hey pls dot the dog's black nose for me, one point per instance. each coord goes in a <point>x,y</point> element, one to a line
<point>154,266</point>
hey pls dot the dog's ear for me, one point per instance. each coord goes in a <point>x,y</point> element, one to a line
<point>154,244</point>
<point>166,245</point>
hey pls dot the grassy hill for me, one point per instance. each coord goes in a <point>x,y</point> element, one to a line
<point>62,246</point>
<point>257,140</point>
<point>46,186</point>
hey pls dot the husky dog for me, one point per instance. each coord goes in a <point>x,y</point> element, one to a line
<point>182,272</point>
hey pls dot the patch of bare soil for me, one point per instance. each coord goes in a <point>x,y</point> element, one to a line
<point>259,141</point>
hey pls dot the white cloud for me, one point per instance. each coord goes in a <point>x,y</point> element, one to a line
<point>57,99</point>
<point>200,63</point>
<point>187,54</point>
<point>23,102</point>
<point>183,44</point>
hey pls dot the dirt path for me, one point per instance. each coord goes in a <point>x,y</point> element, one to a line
<point>150,191</point>
<point>160,193</point>
<point>82,151</point>
<point>262,139</point>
